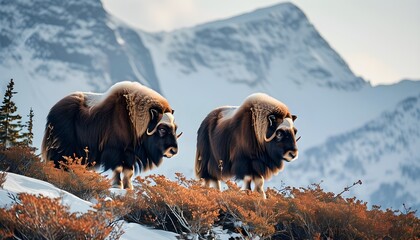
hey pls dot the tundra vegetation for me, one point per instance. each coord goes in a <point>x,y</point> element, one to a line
<point>185,207</point>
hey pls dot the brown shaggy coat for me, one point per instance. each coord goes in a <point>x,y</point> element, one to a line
<point>248,142</point>
<point>112,127</point>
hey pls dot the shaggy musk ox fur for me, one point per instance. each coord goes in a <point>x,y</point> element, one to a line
<point>130,126</point>
<point>248,142</point>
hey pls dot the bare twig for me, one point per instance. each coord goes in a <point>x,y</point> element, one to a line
<point>346,189</point>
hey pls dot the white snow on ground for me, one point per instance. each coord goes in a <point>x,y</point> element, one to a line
<point>135,231</point>
<point>20,184</point>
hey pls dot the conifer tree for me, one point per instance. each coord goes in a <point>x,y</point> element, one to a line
<point>10,124</point>
<point>29,135</point>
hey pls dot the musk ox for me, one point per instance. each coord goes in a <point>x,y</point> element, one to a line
<point>249,142</point>
<point>128,127</point>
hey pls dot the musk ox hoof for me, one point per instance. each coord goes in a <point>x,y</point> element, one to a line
<point>117,184</point>
<point>129,186</point>
<point>262,194</point>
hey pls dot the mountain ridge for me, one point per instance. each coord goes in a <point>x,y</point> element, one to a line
<point>283,32</point>
<point>69,35</point>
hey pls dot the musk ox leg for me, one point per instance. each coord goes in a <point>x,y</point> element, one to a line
<point>116,178</point>
<point>217,185</point>
<point>128,173</point>
<point>259,186</point>
<point>211,183</point>
<point>247,183</point>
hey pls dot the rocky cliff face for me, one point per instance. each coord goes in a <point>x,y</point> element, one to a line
<point>242,50</point>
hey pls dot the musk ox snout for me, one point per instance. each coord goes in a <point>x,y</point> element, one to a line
<point>291,155</point>
<point>288,143</point>
<point>170,152</point>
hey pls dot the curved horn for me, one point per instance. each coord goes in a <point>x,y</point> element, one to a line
<point>270,138</point>
<point>167,119</point>
<point>154,113</point>
<point>152,132</point>
<point>287,123</point>
<point>271,119</point>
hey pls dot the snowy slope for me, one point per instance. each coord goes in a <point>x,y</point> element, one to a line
<point>16,184</point>
<point>20,184</point>
<point>53,48</point>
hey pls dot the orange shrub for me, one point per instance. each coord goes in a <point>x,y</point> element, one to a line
<point>181,206</point>
<point>250,213</point>
<point>41,217</point>
<point>21,160</point>
<point>77,179</point>
<point>72,177</point>
<point>304,213</point>
<point>326,215</point>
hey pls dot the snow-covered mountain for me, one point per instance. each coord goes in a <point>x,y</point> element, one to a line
<point>246,48</point>
<point>53,48</point>
<point>66,40</point>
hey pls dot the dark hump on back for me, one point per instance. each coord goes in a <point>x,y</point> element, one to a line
<point>66,108</point>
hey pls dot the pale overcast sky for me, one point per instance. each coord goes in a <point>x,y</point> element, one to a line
<point>379,39</point>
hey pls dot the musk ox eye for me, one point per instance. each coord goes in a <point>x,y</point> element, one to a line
<point>279,135</point>
<point>162,132</point>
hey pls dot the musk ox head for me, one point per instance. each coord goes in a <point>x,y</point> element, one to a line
<point>274,127</point>
<point>161,134</point>
<point>153,122</point>
<point>280,138</point>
